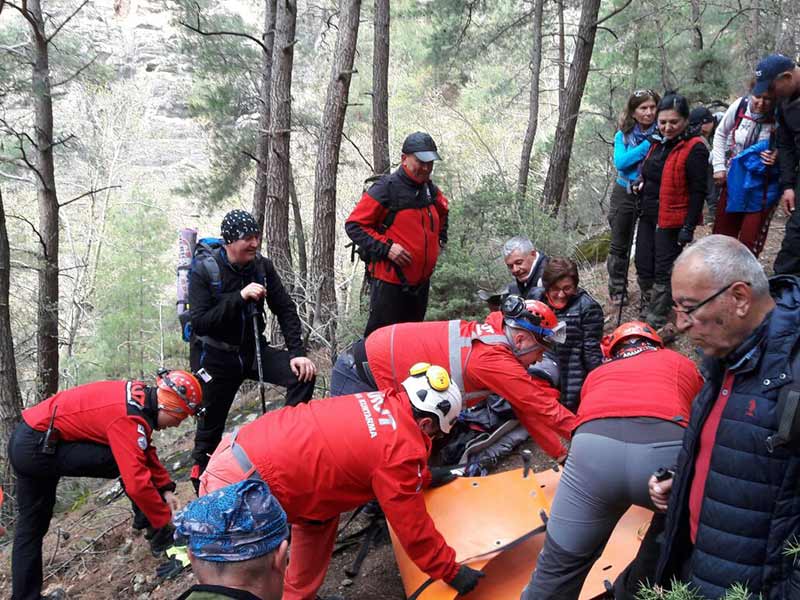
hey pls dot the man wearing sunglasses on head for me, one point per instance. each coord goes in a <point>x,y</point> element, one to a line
<point>732,503</point>
<point>483,358</point>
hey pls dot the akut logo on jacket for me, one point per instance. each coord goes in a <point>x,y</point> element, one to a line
<point>375,404</point>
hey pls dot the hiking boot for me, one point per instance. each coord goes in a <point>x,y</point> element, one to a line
<point>617,299</point>
<point>55,594</point>
<point>660,305</point>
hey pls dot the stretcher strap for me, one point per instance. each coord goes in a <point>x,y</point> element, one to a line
<point>534,532</point>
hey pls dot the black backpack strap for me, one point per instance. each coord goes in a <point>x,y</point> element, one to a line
<point>788,409</point>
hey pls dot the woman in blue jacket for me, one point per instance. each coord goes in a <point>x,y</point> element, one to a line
<point>631,144</point>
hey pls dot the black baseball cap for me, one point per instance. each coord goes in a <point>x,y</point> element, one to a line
<point>700,115</point>
<point>421,145</point>
<point>768,69</point>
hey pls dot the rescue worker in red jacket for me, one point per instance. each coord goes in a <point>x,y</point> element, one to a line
<point>330,456</point>
<point>633,412</point>
<point>100,429</point>
<point>483,358</point>
<point>398,226</point>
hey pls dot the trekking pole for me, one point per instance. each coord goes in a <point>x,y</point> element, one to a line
<point>257,339</point>
<point>628,258</point>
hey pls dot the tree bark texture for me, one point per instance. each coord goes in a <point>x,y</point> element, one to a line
<point>10,398</point>
<point>323,244</point>
<point>47,311</point>
<point>264,115</point>
<point>380,89</point>
<point>562,55</point>
<point>533,102</point>
<point>299,230</point>
<point>276,221</point>
<point>568,115</point>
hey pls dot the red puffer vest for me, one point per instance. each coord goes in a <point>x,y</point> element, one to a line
<point>673,195</point>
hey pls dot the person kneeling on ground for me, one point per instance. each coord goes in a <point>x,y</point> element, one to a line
<point>237,540</point>
<point>100,429</point>
<point>631,420</point>
<point>484,358</point>
<point>327,457</point>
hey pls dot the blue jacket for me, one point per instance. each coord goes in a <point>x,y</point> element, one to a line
<point>628,158</point>
<point>752,185</point>
<point>751,502</point>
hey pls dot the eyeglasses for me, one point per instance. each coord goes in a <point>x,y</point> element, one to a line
<point>687,311</point>
<point>640,93</point>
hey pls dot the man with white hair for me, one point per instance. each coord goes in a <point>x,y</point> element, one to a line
<point>525,263</point>
<point>732,504</point>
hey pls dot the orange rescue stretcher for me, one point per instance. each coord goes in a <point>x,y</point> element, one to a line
<point>505,511</point>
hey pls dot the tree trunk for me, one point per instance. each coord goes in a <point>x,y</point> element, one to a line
<point>568,116</point>
<point>299,231</point>
<point>47,311</point>
<point>323,245</point>
<point>10,398</point>
<point>277,205</point>
<point>697,31</point>
<point>533,104</point>
<point>264,115</point>
<point>380,89</point>
<point>562,55</point>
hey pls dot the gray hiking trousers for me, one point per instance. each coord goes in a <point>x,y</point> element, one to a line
<point>610,462</point>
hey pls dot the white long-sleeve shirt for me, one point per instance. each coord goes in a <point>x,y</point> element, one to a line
<point>728,143</point>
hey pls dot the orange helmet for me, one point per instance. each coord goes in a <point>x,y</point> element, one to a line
<point>630,330</point>
<point>536,317</point>
<point>179,392</point>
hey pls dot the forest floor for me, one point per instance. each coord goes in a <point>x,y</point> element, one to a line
<point>91,551</point>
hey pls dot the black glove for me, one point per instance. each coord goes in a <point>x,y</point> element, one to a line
<point>170,569</point>
<point>685,235</point>
<point>465,580</point>
<point>440,476</point>
<point>162,539</point>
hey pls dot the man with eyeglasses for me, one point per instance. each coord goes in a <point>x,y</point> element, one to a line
<point>732,504</point>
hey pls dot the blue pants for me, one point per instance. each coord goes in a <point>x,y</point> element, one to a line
<point>345,379</point>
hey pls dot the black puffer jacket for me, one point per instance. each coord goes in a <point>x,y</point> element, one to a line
<point>581,352</point>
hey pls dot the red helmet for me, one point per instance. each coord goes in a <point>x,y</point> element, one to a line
<point>536,317</point>
<point>179,392</point>
<point>630,330</point>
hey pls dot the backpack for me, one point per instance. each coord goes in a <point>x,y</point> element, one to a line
<point>203,261</point>
<point>393,209</point>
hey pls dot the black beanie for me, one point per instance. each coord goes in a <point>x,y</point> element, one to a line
<point>237,225</point>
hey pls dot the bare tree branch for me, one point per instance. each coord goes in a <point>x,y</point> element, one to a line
<point>76,73</point>
<point>16,178</point>
<point>89,193</point>
<point>613,13</point>
<point>361,154</point>
<point>198,29</point>
<point>36,231</point>
<point>67,20</point>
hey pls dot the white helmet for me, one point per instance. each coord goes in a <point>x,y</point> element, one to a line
<point>430,390</point>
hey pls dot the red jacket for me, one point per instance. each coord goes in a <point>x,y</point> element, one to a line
<point>480,362</point>
<point>330,456</point>
<point>419,225</point>
<point>673,194</point>
<point>659,383</point>
<point>110,413</point>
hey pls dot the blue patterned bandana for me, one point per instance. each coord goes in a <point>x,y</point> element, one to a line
<point>238,522</point>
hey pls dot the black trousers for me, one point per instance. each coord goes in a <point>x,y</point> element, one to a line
<point>228,372</point>
<point>622,215</point>
<point>37,479</point>
<point>646,250</point>
<point>788,260</point>
<point>390,303</point>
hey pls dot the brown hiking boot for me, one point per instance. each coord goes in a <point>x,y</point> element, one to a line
<point>668,333</point>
